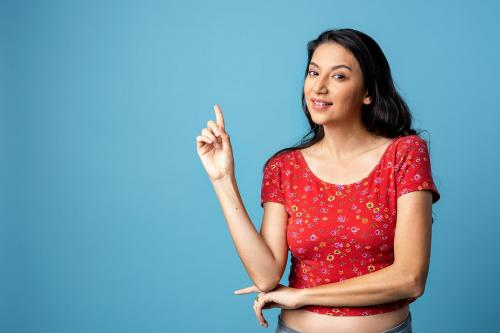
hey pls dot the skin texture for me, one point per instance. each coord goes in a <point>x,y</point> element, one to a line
<point>354,151</point>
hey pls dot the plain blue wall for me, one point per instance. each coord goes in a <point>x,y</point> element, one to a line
<point>109,222</point>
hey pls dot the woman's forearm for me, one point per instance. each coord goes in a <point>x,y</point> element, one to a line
<point>253,251</point>
<point>385,285</point>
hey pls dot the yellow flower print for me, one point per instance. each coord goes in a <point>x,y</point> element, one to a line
<point>341,272</point>
<point>322,244</point>
<point>364,220</point>
<point>336,251</point>
<point>331,198</point>
<point>369,205</point>
<point>294,208</point>
<point>376,210</point>
<point>330,257</point>
<point>371,268</point>
<point>338,193</point>
<point>299,214</point>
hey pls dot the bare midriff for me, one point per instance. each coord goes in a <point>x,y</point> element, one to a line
<point>306,321</point>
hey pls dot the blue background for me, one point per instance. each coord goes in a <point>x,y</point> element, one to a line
<point>109,221</point>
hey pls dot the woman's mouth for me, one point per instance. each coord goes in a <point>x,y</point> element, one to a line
<point>321,105</point>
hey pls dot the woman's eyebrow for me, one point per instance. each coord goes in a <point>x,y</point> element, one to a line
<point>333,67</point>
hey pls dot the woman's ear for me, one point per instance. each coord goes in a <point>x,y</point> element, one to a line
<point>367,99</point>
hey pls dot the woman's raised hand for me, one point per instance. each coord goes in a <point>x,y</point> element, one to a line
<point>214,148</point>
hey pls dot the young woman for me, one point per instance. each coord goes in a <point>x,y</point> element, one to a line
<point>353,202</point>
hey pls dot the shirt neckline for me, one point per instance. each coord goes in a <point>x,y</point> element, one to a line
<point>303,160</point>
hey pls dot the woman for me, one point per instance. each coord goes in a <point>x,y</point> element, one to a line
<point>353,203</point>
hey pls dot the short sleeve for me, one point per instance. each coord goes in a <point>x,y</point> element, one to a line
<point>272,186</point>
<point>414,171</point>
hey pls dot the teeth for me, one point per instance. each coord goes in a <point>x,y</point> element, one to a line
<point>320,103</point>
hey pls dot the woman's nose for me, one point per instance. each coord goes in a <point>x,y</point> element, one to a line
<point>320,85</point>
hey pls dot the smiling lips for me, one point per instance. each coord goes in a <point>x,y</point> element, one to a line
<point>320,104</point>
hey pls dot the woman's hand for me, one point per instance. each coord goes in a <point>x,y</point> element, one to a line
<point>280,297</point>
<point>214,148</point>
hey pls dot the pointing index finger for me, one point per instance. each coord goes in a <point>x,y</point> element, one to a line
<point>218,115</point>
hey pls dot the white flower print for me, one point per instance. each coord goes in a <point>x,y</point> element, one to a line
<point>384,247</point>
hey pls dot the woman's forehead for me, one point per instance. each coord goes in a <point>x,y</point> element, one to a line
<point>328,55</point>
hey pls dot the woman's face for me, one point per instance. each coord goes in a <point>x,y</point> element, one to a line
<point>334,77</point>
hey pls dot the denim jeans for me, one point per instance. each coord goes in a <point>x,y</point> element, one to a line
<point>402,327</point>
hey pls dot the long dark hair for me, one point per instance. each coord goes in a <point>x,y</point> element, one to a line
<point>387,115</point>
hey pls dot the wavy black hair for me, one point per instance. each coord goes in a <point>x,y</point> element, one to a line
<point>387,115</point>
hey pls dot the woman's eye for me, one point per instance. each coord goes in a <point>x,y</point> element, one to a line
<point>340,76</point>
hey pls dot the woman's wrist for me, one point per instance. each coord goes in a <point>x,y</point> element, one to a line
<point>301,297</point>
<point>226,179</point>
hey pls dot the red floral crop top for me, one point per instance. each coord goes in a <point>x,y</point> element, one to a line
<point>337,232</point>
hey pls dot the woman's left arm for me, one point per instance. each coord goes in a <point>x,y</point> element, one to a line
<point>404,278</point>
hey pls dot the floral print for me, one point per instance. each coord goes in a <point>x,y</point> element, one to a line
<point>339,231</point>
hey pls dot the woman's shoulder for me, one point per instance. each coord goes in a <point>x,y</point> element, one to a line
<point>280,156</point>
<point>281,160</point>
<point>408,143</point>
<point>412,139</point>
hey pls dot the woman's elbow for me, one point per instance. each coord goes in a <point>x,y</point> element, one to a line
<point>267,285</point>
<point>418,287</point>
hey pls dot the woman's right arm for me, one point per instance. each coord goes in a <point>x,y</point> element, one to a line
<point>257,257</point>
<point>214,150</point>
